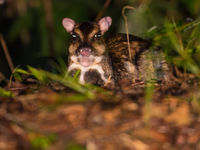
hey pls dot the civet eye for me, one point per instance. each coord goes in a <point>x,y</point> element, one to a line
<point>97,35</point>
<point>74,35</point>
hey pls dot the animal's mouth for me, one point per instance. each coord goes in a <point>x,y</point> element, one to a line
<point>85,51</point>
<point>85,57</point>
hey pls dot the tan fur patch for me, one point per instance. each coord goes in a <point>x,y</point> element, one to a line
<point>72,48</point>
<point>100,48</point>
<point>94,31</point>
<point>77,31</point>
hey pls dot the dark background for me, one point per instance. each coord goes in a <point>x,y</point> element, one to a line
<point>32,29</point>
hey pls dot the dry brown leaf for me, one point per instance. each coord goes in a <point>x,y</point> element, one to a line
<point>181,116</point>
<point>83,135</point>
<point>91,145</point>
<point>150,134</point>
<point>158,110</point>
<point>172,101</point>
<point>111,115</point>
<point>130,106</point>
<point>139,145</point>
<point>194,138</point>
<point>133,143</point>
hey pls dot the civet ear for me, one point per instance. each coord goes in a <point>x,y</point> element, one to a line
<point>68,24</point>
<point>104,24</point>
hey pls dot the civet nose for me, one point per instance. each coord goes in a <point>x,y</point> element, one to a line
<point>85,51</point>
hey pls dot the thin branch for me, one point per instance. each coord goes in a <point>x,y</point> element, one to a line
<point>100,14</point>
<point>6,52</point>
<point>126,27</point>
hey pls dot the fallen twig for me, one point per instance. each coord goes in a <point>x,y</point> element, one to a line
<point>6,52</point>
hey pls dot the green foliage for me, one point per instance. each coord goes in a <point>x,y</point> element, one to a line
<point>19,70</point>
<point>37,74</point>
<point>17,73</point>
<point>75,147</point>
<point>149,91</point>
<point>180,43</point>
<point>84,91</point>
<point>68,81</point>
<point>4,93</point>
<point>41,142</point>
<point>27,32</point>
<point>76,76</point>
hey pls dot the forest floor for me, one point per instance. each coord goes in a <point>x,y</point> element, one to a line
<point>49,117</point>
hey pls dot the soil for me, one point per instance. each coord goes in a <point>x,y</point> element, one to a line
<point>130,118</point>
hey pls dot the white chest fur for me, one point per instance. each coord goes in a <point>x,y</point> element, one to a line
<point>83,69</point>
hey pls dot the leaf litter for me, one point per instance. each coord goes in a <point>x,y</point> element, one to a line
<point>35,115</point>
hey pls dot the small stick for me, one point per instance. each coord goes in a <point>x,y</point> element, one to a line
<point>6,52</point>
<point>126,26</point>
<point>100,14</point>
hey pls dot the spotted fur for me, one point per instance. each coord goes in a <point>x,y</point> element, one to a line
<point>107,59</point>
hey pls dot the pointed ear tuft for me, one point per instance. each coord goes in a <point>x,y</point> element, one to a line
<point>68,24</point>
<point>104,24</point>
